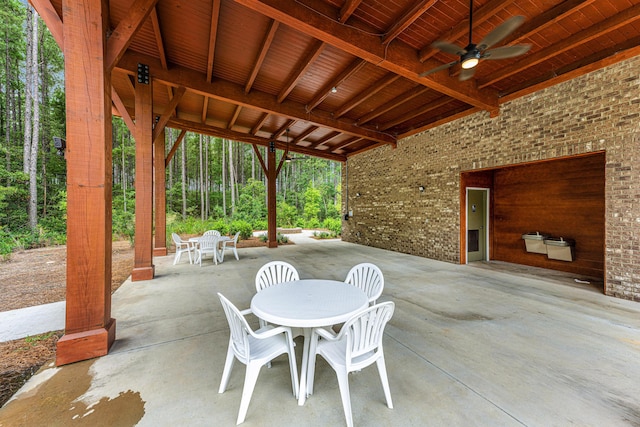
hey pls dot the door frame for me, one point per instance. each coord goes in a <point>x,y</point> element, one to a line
<point>487,203</point>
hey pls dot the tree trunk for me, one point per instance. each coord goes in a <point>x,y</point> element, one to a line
<point>28,88</point>
<point>224,178</point>
<point>207,177</point>
<point>184,178</point>
<point>35,137</point>
<point>232,179</point>
<point>201,163</point>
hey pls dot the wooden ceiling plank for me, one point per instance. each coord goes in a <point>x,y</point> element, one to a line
<point>122,36</point>
<point>168,112</point>
<point>351,69</point>
<point>395,102</point>
<point>601,59</point>
<point>256,127</point>
<point>366,94</point>
<point>266,44</point>
<point>479,16</point>
<point>230,92</point>
<point>174,147</point>
<point>303,66</point>
<point>347,10</point>
<point>234,117</point>
<point>397,57</point>
<point>610,24</point>
<point>546,19</point>
<point>213,33</point>
<point>305,133</point>
<point>249,139</point>
<point>51,18</point>
<point>159,41</point>
<point>408,18</point>
<point>416,112</point>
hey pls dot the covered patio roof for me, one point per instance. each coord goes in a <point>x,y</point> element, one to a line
<point>343,76</point>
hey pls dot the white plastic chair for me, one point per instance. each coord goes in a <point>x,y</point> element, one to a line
<point>358,345</point>
<point>254,349</point>
<point>211,233</point>
<point>231,244</point>
<point>275,272</point>
<point>182,246</point>
<point>367,277</point>
<point>208,245</point>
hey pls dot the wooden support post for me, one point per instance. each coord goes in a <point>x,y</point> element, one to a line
<point>143,268</point>
<point>272,168</point>
<point>160,241</point>
<point>89,328</point>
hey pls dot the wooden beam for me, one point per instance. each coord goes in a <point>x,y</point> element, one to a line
<point>394,103</point>
<point>213,32</point>
<point>233,119</point>
<point>303,66</point>
<point>205,109</point>
<point>347,10</point>
<point>168,112</point>
<point>143,268</point>
<point>160,197</point>
<point>397,57</point>
<point>308,131</point>
<point>158,35</point>
<point>258,124</point>
<point>51,19</point>
<point>174,147</point>
<point>407,18</point>
<point>430,106</point>
<point>366,94</point>
<point>325,139</point>
<point>122,110</point>
<point>266,44</point>
<point>89,328</point>
<point>231,92</point>
<point>441,120</point>
<point>346,143</point>
<point>260,159</point>
<point>122,36</point>
<point>487,11</point>
<point>618,20</point>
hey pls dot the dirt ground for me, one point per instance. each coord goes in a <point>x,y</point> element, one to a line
<point>38,276</point>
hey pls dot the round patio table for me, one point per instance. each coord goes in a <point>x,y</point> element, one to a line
<point>308,304</point>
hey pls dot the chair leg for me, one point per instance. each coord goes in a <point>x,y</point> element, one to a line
<point>311,367</point>
<point>382,369</point>
<point>177,257</point>
<point>226,372</point>
<point>235,252</point>
<point>293,367</point>
<point>250,379</point>
<point>343,383</point>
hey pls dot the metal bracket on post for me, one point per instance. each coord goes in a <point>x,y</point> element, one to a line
<point>143,74</point>
<point>272,146</point>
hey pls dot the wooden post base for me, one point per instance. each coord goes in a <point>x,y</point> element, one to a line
<point>159,251</point>
<point>86,344</point>
<point>272,244</point>
<point>142,273</point>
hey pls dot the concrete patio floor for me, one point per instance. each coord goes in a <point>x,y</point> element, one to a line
<point>485,344</point>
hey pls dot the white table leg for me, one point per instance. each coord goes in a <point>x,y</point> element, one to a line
<point>303,369</point>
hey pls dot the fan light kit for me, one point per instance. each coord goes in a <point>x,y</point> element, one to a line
<point>471,55</point>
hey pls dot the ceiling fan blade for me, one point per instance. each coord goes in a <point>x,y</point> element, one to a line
<point>440,68</point>
<point>466,74</point>
<point>506,51</point>
<point>449,47</point>
<point>500,32</point>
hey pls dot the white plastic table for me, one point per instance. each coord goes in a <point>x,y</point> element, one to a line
<point>195,241</point>
<point>308,304</point>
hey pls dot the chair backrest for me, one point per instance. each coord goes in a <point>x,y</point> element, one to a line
<point>275,272</point>
<point>239,329</point>
<point>212,233</point>
<point>367,277</point>
<point>235,238</point>
<point>208,242</point>
<point>176,239</point>
<point>364,330</point>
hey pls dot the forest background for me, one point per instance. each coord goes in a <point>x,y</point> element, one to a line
<point>212,183</point>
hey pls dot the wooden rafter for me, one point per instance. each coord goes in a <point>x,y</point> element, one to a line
<point>351,69</point>
<point>213,32</point>
<point>430,106</point>
<point>366,94</point>
<point>122,36</point>
<point>479,16</point>
<point>305,133</point>
<point>346,143</point>
<point>122,110</point>
<point>266,44</point>
<point>394,103</point>
<point>234,117</point>
<point>312,54</point>
<point>170,108</point>
<point>282,129</point>
<point>157,32</point>
<point>618,20</point>
<point>397,57</point>
<point>230,92</point>
<point>51,18</point>
<point>258,124</point>
<point>174,147</point>
<point>325,139</point>
<point>347,10</point>
<point>408,18</point>
<point>440,120</point>
<point>205,109</point>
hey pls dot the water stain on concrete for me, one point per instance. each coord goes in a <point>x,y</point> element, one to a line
<point>54,403</point>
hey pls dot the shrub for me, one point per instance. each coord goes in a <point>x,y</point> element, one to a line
<point>334,225</point>
<point>245,229</point>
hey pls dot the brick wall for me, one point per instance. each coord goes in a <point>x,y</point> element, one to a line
<point>598,111</point>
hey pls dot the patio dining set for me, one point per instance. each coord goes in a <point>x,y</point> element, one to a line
<point>340,321</point>
<point>212,242</point>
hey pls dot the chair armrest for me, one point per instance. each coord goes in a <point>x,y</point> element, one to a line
<point>330,336</point>
<point>271,332</point>
<point>246,311</point>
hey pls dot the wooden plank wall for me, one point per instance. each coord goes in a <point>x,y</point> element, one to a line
<point>563,198</point>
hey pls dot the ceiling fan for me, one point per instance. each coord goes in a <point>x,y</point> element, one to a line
<point>471,55</point>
